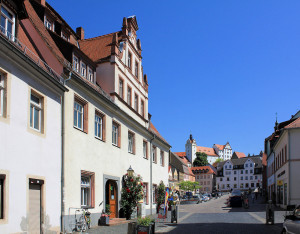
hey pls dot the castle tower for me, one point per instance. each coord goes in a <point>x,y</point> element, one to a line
<point>191,149</point>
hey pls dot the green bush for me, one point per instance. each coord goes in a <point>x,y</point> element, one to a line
<point>145,221</point>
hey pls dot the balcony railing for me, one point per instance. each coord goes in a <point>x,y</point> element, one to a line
<point>29,54</point>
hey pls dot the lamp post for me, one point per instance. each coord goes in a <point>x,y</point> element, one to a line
<point>130,171</point>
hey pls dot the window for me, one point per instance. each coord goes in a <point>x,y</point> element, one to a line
<point>7,22</point>
<point>99,125</point>
<point>251,171</point>
<point>121,83</point>
<point>36,109</point>
<point>142,108</point>
<point>246,165</point>
<point>136,73</point>
<point>2,95</point>
<point>227,178</point>
<point>145,190</point>
<point>145,149</point>
<point>252,185</point>
<point>116,134</point>
<point>242,172</point>
<point>154,154</point>
<point>87,189</point>
<point>242,186</point>
<point>247,185</point>
<point>80,114</point>
<point>251,177</point>
<point>136,103</point>
<point>75,63</point>
<point>234,172</point>
<point>256,177</point>
<point>246,172</point>
<point>128,95</point>
<point>129,60</point>
<point>221,179</point>
<point>251,165</point>
<point>257,185</point>
<point>154,193</point>
<point>2,194</point>
<point>65,36</point>
<point>48,23</point>
<point>235,186</point>
<point>226,167</point>
<point>234,178</point>
<point>83,69</point>
<point>131,142</point>
<point>162,163</point>
<point>241,177</point>
<point>246,177</point>
<point>91,75</point>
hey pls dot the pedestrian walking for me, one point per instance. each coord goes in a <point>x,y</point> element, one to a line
<point>256,193</point>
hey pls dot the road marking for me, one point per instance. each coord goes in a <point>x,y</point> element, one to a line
<point>258,218</point>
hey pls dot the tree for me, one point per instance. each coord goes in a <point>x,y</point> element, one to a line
<point>200,160</point>
<point>161,193</point>
<point>131,194</point>
<point>215,164</point>
<point>188,185</point>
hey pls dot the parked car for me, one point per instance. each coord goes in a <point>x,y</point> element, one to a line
<point>291,222</point>
<point>208,195</point>
<point>235,198</point>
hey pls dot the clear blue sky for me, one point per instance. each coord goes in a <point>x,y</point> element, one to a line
<point>219,69</point>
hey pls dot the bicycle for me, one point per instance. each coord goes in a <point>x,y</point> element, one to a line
<point>84,221</point>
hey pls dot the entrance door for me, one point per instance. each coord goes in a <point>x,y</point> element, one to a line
<point>112,198</point>
<point>34,209</point>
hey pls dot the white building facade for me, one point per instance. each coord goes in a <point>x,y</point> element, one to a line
<point>239,174</point>
<point>223,151</point>
<point>30,132</point>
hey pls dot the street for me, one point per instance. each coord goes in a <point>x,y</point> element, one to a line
<point>215,217</point>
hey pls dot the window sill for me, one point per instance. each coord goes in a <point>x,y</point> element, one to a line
<point>79,129</point>
<point>99,139</point>
<point>116,146</point>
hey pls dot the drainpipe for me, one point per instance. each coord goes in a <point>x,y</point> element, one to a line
<point>63,158</point>
<point>151,162</point>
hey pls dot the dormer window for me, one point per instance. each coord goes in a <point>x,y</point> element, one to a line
<point>83,69</point>
<point>65,36</point>
<point>7,22</point>
<point>48,23</point>
<point>91,75</point>
<point>75,63</point>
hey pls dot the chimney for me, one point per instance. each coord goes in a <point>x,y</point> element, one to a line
<point>80,33</point>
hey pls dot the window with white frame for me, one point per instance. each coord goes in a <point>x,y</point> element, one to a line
<point>136,103</point>
<point>128,95</point>
<point>130,142</point>
<point>2,95</point>
<point>145,149</point>
<point>7,22</point>
<point>121,88</point>
<point>65,36</point>
<point>85,191</point>
<point>99,126</point>
<point>116,134</point>
<point>35,112</point>
<point>91,75</point>
<point>83,69</point>
<point>75,63</point>
<point>78,115</point>
<point>48,23</point>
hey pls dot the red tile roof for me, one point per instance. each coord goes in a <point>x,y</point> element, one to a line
<point>185,160</point>
<point>210,170</point>
<point>97,48</point>
<point>294,124</point>
<point>220,147</point>
<point>190,171</point>
<point>41,29</point>
<point>240,155</point>
<point>154,130</point>
<point>207,150</point>
<point>180,154</point>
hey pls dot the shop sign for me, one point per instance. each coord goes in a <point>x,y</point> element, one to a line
<point>279,182</point>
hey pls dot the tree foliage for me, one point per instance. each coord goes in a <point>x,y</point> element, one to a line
<point>200,160</point>
<point>131,194</point>
<point>215,164</point>
<point>161,192</point>
<point>188,185</point>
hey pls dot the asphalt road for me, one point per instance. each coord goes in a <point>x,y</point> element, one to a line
<point>216,217</point>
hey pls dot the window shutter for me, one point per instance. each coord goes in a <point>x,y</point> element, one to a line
<point>93,190</point>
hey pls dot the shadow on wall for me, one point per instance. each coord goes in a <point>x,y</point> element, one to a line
<point>46,226</point>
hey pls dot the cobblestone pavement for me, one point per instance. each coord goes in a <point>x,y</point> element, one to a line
<point>215,217</point>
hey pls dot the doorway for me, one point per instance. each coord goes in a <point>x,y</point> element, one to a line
<point>34,217</point>
<point>111,194</point>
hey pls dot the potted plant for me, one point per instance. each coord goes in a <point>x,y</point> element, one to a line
<point>161,192</point>
<point>145,225</point>
<point>104,218</point>
<point>132,193</point>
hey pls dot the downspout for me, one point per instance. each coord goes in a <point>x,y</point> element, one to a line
<point>63,157</point>
<point>151,162</point>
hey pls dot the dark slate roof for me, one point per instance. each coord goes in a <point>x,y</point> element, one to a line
<point>240,161</point>
<point>176,162</point>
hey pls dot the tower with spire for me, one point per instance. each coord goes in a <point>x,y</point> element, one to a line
<point>191,149</point>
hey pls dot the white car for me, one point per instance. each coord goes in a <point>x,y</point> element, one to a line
<point>292,222</point>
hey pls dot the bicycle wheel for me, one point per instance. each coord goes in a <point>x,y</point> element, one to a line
<point>82,224</point>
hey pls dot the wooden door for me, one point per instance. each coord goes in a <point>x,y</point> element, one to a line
<point>112,193</point>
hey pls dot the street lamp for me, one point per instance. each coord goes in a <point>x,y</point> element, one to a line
<point>130,171</point>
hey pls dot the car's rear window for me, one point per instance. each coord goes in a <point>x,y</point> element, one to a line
<point>236,193</point>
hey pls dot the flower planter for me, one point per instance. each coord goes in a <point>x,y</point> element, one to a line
<point>143,229</point>
<point>104,220</point>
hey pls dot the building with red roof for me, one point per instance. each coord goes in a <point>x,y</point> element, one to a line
<point>206,176</point>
